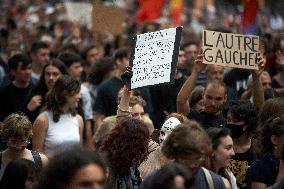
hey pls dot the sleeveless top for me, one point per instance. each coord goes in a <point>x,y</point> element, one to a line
<point>36,159</point>
<point>61,134</point>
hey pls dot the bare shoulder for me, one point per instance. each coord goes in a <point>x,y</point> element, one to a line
<point>79,118</point>
<point>41,121</point>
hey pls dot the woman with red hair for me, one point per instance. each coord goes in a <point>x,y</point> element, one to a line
<point>126,146</point>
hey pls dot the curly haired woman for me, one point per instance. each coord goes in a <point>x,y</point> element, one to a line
<point>16,132</point>
<point>126,146</point>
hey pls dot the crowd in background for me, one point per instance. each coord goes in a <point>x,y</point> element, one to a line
<point>70,120</point>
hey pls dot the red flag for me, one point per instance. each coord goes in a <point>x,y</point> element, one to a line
<point>249,16</point>
<point>149,10</point>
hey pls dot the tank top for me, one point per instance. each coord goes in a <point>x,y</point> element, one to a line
<point>62,134</point>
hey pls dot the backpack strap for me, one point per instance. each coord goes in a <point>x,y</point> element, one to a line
<point>208,178</point>
<point>37,158</point>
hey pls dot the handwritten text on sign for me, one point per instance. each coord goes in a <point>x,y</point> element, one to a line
<point>227,49</point>
<point>153,58</point>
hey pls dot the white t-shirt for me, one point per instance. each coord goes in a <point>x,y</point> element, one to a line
<point>62,134</point>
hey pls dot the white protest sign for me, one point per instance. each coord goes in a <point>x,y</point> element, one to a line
<point>232,50</point>
<point>154,57</point>
<point>81,12</point>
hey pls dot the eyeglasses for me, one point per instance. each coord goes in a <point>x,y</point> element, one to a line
<point>18,142</point>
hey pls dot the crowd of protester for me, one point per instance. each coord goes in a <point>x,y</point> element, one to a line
<point>69,119</point>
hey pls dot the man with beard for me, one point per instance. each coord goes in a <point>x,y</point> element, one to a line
<point>214,96</point>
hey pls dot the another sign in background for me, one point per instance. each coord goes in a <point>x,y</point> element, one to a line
<point>81,12</point>
<point>154,57</point>
<point>107,19</point>
<point>232,50</point>
<point>100,18</point>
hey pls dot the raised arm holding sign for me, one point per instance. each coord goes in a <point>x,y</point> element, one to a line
<point>154,57</point>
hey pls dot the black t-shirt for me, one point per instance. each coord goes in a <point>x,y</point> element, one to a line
<point>106,101</point>
<point>12,99</point>
<point>265,170</point>
<point>207,119</point>
<point>164,99</point>
<point>240,166</point>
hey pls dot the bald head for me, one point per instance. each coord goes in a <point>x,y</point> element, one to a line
<point>265,80</point>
